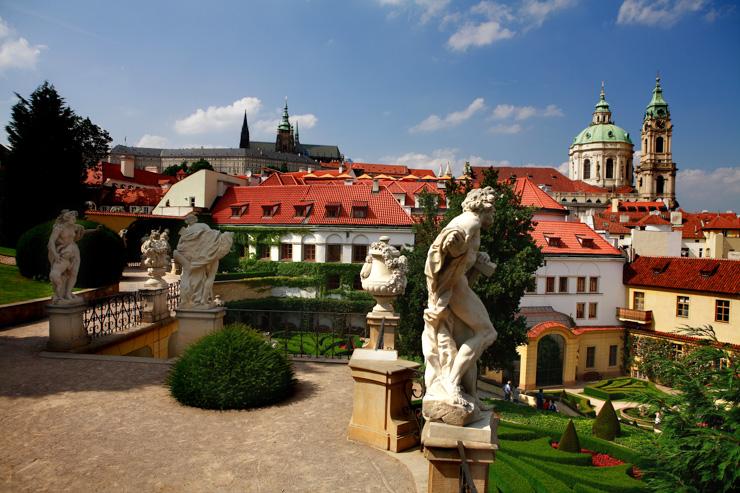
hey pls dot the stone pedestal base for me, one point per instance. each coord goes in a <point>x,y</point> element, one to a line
<point>380,414</point>
<point>479,442</point>
<point>155,305</point>
<point>385,324</point>
<point>66,327</point>
<point>192,325</point>
<point>155,277</point>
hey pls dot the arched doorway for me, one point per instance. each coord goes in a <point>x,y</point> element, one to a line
<point>550,351</point>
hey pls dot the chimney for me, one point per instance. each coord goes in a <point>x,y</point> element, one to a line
<point>301,169</point>
<point>376,185</point>
<point>348,181</point>
<point>615,205</point>
<point>127,166</point>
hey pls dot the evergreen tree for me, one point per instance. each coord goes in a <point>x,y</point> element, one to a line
<point>50,150</point>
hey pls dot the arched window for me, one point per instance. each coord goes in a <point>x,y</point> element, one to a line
<point>659,144</point>
<point>610,168</point>
<point>640,183</point>
<point>660,185</point>
<point>586,169</point>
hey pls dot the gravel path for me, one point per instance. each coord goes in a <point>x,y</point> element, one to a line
<point>81,425</point>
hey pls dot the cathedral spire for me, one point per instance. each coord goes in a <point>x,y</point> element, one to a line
<point>602,112</point>
<point>244,140</point>
<point>285,123</point>
<point>297,138</point>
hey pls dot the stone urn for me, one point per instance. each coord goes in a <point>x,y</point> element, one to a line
<point>384,275</point>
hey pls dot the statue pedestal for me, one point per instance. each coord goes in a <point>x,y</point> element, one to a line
<point>193,324</point>
<point>382,325</point>
<point>479,443</point>
<point>155,305</point>
<point>155,277</point>
<point>381,415</point>
<point>66,327</point>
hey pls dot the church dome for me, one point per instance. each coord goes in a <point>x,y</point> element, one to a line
<point>602,132</point>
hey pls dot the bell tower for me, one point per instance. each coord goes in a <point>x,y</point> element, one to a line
<point>285,141</point>
<point>656,173</point>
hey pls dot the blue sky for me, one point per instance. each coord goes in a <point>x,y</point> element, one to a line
<point>418,82</point>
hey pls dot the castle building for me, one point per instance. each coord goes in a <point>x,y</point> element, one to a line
<point>656,173</point>
<point>601,154</point>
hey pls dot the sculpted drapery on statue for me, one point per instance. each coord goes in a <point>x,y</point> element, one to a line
<point>457,328</point>
<point>64,256</point>
<point>198,251</point>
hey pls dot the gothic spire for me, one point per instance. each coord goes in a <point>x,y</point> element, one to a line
<point>285,123</point>
<point>244,139</point>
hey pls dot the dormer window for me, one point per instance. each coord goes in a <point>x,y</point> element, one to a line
<point>709,270</point>
<point>553,241</point>
<point>585,241</point>
<point>269,210</point>
<point>333,209</point>
<point>303,209</point>
<point>359,209</point>
<point>238,210</point>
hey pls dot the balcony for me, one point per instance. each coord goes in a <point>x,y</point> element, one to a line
<point>636,316</point>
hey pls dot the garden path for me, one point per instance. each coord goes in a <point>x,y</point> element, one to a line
<point>90,425</point>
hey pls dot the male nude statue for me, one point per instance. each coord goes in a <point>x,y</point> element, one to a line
<point>64,255</point>
<point>457,327</point>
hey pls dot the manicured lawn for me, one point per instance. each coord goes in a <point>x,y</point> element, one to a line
<point>8,252</point>
<point>14,287</point>
<point>620,388</point>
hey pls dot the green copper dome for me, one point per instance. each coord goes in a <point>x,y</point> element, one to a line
<point>603,132</point>
<point>285,123</point>
<point>657,108</point>
<point>602,106</point>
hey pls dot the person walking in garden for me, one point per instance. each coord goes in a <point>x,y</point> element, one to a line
<point>540,399</point>
<point>658,419</point>
<point>507,391</point>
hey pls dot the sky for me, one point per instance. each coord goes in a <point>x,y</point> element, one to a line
<point>415,82</point>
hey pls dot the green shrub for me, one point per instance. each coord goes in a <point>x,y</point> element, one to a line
<point>506,479</point>
<point>101,252</point>
<point>601,394</point>
<point>302,304</point>
<point>233,368</point>
<point>541,481</point>
<point>569,441</point>
<point>540,448</point>
<point>614,479</point>
<point>606,424</point>
<point>230,262</point>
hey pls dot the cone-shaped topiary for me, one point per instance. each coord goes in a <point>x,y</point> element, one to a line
<point>606,424</point>
<point>233,368</point>
<point>569,441</point>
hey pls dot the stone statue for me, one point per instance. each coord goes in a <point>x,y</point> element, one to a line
<point>384,274</point>
<point>155,256</point>
<point>457,328</point>
<point>64,256</point>
<point>198,252</point>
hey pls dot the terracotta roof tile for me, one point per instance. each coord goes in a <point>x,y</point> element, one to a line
<point>653,219</point>
<point>103,171</point>
<point>531,195</point>
<point>685,274</point>
<point>568,242</point>
<point>382,206</point>
<point>720,222</point>
<point>396,170</point>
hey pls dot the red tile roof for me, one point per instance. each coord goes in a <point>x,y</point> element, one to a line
<point>642,206</point>
<point>382,206</point>
<point>588,329</point>
<point>396,170</point>
<point>722,222</point>
<point>570,236</point>
<point>102,172</point>
<point>653,219</point>
<point>531,195</point>
<point>421,173</point>
<point>541,327</point>
<point>284,179</point>
<point>685,274</point>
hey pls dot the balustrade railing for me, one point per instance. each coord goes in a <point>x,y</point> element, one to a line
<point>113,314</point>
<point>173,295</point>
<point>304,334</point>
<point>632,315</point>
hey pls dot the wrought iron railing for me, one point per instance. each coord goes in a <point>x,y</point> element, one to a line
<point>304,334</point>
<point>173,295</point>
<point>113,314</point>
<point>466,478</point>
<point>415,390</point>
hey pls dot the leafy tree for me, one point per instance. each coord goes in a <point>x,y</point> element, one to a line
<point>415,298</point>
<point>699,447</point>
<point>199,165</point>
<point>51,148</point>
<point>509,245</point>
<point>172,170</point>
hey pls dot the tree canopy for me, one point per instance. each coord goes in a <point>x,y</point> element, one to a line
<point>187,168</point>
<point>51,148</point>
<point>509,245</point>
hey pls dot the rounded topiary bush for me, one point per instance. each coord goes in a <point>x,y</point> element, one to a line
<point>101,252</point>
<point>233,368</point>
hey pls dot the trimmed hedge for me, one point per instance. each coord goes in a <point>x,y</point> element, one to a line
<point>620,388</point>
<point>541,481</point>
<point>304,274</point>
<point>606,424</point>
<point>303,304</point>
<point>102,255</point>
<point>569,441</point>
<point>540,448</point>
<point>233,368</point>
<point>502,477</point>
<point>614,479</point>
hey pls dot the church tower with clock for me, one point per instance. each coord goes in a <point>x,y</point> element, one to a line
<point>656,172</point>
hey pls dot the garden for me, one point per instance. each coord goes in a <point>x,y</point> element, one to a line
<point>624,388</point>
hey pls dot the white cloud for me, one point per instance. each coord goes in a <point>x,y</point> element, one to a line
<point>521,113</point>
<point>16,52</point>
<point>216,118</point>
<point>431,8</point>
<point>563,168</point>
<point>475,35</point>
<point>434,122</point>
<point>152,141</point>
<point>717,189</point>
<point>502,128</point>
<point>663,13</point>
<point>536,11</point>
